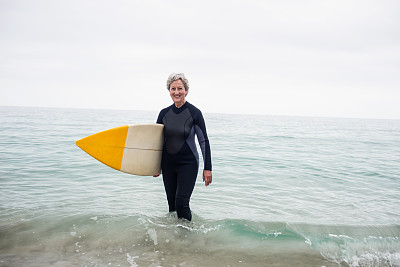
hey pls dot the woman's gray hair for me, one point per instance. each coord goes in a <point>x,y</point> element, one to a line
<point>178,76</point>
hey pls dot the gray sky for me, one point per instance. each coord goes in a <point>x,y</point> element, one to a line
<point>336,58</point>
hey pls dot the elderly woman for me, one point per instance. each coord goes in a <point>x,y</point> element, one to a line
<point>180,160</point>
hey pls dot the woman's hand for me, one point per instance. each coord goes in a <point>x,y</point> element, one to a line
<point>207,177</point>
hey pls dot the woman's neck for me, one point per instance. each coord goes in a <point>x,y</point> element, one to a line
<point>180,104</point>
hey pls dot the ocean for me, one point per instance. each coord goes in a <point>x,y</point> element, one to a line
<point>286,191</point>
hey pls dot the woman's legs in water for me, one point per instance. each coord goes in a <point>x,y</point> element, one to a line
<point>179,182</point>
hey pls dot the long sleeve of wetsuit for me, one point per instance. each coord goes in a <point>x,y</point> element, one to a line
<point>201,132</point>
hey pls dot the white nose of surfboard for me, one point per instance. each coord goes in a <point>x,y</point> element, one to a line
<point>134,149</point>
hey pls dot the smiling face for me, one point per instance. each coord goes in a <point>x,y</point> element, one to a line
<point>178,93</point>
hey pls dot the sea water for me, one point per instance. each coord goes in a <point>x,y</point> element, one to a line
<point>286,191</point>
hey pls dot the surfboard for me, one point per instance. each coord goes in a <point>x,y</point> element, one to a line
<point>134,149</point>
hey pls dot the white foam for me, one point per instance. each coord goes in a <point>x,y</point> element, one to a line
<point>131,260</point>
<point>153,235</point>
<point>277,234</point>
<point>374,259</point>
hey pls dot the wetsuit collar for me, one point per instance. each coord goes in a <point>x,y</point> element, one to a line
<point>179,110</point>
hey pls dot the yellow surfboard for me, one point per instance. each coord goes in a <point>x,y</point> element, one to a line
<point>134,149</point>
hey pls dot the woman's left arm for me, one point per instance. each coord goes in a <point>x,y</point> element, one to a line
<point>201,132</point>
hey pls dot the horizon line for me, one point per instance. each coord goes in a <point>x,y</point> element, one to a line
<point>215,113</point>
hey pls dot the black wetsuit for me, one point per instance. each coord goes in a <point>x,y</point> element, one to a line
<point>180,160</point>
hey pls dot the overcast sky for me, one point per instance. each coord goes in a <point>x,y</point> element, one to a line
<point>338,58</point>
